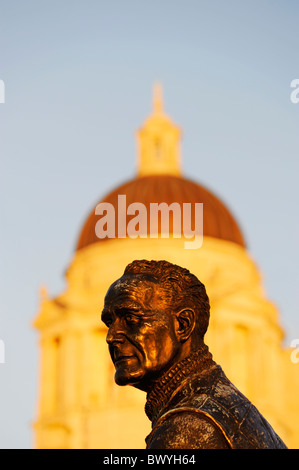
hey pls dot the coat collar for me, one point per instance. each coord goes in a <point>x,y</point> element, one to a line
<point>163,389</point>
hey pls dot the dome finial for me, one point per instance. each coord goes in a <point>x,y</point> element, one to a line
<point>158,98</point>
<point>158,141</point>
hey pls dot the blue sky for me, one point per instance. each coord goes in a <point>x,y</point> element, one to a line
<point>78,83</point>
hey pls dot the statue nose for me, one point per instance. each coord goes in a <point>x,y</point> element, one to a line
<point>115,333</point>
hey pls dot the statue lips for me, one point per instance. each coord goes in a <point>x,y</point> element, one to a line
<point>123,362</point>
<point>120,356</point>
<point>122,359</point>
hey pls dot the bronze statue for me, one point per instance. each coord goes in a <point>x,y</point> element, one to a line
<point>157,314</point>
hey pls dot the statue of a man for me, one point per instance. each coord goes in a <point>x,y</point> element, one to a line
<point>157,314</point>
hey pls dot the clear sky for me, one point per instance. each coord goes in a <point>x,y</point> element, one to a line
<point>78,81</point>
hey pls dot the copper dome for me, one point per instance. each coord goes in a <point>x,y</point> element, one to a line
<point>218,222</point>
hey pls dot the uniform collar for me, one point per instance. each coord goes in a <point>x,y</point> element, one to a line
<point>162,389</point>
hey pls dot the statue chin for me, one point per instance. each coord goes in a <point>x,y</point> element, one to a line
<point>126,376</point>
<point>121,381</point>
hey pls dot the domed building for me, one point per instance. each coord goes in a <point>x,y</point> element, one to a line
<point>79,404</point>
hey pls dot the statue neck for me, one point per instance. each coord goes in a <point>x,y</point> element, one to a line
<point>163,388</point>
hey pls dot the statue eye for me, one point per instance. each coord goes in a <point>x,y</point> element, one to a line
<point>131,318</point>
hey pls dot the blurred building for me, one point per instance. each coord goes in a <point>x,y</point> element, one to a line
<point>79,404</point>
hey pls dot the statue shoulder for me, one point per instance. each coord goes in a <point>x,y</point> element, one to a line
<point>186,428</point>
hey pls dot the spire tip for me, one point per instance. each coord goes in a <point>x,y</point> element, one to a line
<point>158,98</point>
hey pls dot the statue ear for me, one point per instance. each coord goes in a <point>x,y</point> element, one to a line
<point>185,323</point>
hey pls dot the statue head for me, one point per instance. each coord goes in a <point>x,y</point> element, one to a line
<point>157,313</point>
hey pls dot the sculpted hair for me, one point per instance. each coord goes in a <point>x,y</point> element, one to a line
<point>182,289</point>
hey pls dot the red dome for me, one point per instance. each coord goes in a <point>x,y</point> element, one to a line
<point>217,219</point>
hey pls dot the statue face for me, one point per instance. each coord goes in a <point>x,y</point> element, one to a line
<point>141,331</point>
